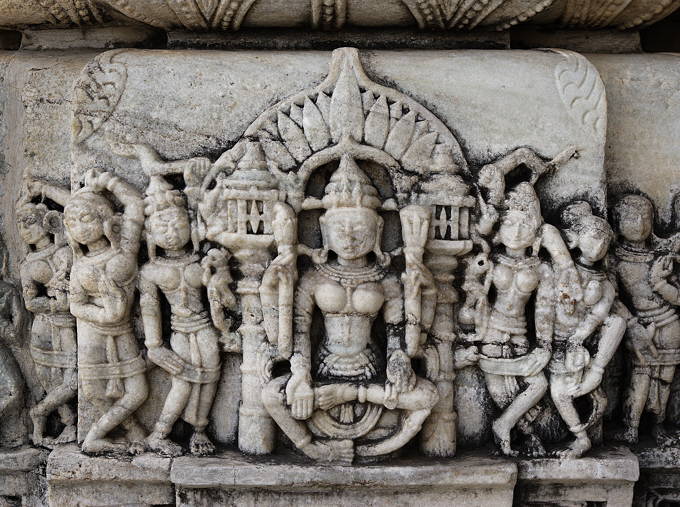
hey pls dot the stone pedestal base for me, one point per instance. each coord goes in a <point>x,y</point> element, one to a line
<point>606,475</point>
<point>20,479</point>
<point>232,479</point>
<point>659,476</point>
<point>74,478</point>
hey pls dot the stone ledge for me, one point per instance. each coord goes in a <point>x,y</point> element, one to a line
<point>605,475</point>
<point>232,478</point>
<point>74,478</point>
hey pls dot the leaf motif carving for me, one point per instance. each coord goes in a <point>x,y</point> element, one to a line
<point>296,114</point>
<point>277,152</point>
<point>314,126</point>
<point>323,102</point>
<point>400,135</point>
<point>582,91</point>
<point>419,153</point>
<point>346,111</point>
<point>97,93</point>
<point>377,123</point>
<point>294,138</point>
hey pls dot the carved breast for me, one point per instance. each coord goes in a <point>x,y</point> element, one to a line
<point>366,299</point>
<point>524,280</point>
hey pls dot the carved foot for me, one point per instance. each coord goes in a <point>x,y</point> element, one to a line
<point>103,446</point>
<point>38,427</point>
<point>628,435</point>
<point>331,451</point>
<point>163,446</point>
<point>502,437</point>
<point>331,395</point>
<point>533,447</point>
<point>201,445</point>
<point>663,437</point>
<point>577,449</point>
<point>67,435</point>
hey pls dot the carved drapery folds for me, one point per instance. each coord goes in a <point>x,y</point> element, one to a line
<point>342,264</point>
<point>204,15</point>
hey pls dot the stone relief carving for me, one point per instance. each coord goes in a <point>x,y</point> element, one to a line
<point>203,15</point>
<point>353,259</point>
<point>45,274</point>
<point>13,321</point>
<point>643,264</point>
<point>111,369</point>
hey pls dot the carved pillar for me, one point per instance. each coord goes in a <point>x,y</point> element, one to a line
<point>256,430</point>
<point>439,430</point>
<point>448,238</point>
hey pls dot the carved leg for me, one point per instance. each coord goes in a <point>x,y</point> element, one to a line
<point>662,436</point>
<point>537,385</point>
<point>565,406</point>
<point>502,391</point>
<point>200,444</point>
<point>175,402</point>
<point>417,405</point>
<point>274,399</point>
<point>634,404</point>
<point>54,400</point>
<point>119,414</point>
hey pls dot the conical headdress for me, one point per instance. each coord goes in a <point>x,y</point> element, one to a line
<point>349,187</point>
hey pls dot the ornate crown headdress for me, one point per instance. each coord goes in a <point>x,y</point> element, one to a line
<point>349,187</point>
<point>161,195</point>
<point>523,198</point>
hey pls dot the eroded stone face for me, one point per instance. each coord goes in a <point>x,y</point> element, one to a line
<point>348,256</point>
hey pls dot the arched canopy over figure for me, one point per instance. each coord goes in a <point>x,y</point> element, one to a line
<point>643,267</point>
<point>111,369</point>
<point>45,278</point>
<point>339,382</point>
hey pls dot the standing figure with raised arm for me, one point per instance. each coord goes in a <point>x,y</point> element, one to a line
<point>573,372</point>
<point>193,358</point>
<point>45,278</point>
<point>111,369</point>
<point>643,266</point>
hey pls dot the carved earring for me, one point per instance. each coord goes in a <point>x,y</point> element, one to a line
<point>383,258</point>
<point>53,223</point>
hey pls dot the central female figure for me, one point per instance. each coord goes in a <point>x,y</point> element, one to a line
<point>332,380</point>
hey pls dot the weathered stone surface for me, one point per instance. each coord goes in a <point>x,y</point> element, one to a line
<point>607,475</point>
<point>76,479</point>
<point>335,14</point>
<point>235,480</point>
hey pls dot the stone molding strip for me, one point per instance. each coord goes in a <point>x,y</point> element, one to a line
<point>231,15</point>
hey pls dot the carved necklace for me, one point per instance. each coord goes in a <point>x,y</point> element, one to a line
<point>352,277</point>
<point>633,254</point>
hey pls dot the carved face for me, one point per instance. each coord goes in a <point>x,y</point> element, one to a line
<point>169,228</point>
<point>83,222</point>
<point>30,226</point>
<point>593,244</point>
<point>350,232</point>
<point>636,220</point>
<point>517,230</point>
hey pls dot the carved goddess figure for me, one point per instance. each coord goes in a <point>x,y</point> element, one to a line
<point>12,327</point>
<point>111,369</point>
<point>572,371</point>
<point>653,335</point>
<point>193,359</point>
<point>346,368</point>
<point>45,278</point>
<point>511,363</point>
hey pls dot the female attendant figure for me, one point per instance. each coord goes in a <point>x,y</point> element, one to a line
<point>111,369</point>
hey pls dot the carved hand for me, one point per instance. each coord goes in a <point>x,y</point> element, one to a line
<point>166,359</point>
<point>96,179</point>
<point>576,359</point>
<point>590,381</point>
<point>465,356</point>
<point>400,377</point>
<point>661,269</point>
<point>113,297</point>
<point>300,395</point>
<point>640,339</point>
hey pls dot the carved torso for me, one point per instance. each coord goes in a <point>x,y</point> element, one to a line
<point>515,281</point>
<point>633,271</point>
<point>180,281</point>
